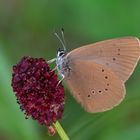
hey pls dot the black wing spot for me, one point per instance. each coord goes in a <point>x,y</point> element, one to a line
<point>100,91</point>
<point>118,51</point>
<point>114,59</point>
<point>106,77</point>
<point>106,89</point>
<point>103,70</point>
<point>88,95</point>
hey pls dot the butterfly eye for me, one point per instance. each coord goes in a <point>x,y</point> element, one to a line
<point>61,53</point>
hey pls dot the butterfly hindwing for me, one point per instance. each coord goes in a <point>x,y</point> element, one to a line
<point>96,87</point>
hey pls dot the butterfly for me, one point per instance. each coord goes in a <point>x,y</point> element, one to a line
<point>96,73</point>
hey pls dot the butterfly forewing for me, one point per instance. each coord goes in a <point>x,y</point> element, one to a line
<point>95,86</point>
<point>120,55</point>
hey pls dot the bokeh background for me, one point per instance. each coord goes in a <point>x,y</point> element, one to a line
<point>27,28</point>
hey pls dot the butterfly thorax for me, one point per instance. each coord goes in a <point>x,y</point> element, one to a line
<point>62,63</point>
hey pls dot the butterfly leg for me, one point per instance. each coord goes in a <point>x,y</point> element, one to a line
<point>54,68</point>
<point>60,80</point>
<point>51,61</point>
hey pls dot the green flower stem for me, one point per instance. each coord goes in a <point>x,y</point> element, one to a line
<point>61,131</point>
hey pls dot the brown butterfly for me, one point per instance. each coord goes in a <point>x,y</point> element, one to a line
<point>96,73</point>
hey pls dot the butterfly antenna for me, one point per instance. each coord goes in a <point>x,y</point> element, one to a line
<point>63,44</point>
<point>63,37</point>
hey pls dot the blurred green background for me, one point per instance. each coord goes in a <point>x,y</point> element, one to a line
<point>27,28</point>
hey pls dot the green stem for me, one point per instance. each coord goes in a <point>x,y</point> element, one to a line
<point>61,131</point>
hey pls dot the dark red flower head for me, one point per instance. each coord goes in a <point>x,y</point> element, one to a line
<point>37,91</point>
